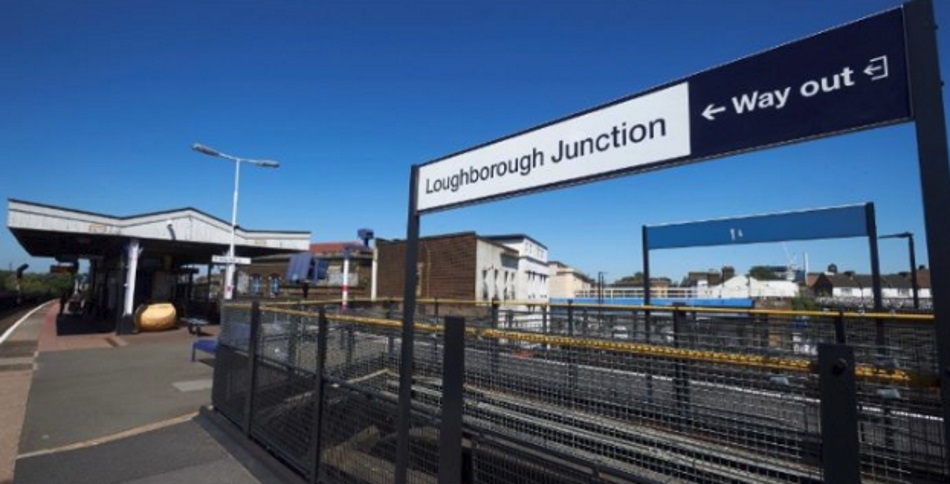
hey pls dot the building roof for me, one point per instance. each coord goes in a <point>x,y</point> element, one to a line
<point>513,237</point>
<point>859,281</point>
<point>337,247</point>
<point>190,235</point>
<point>160,213</point>
<point>562,268</point>
<point>486,240</point>
<point>429,237</point>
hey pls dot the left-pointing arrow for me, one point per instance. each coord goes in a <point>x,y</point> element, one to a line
<point>711,111</point>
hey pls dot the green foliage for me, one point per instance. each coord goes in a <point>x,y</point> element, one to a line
<point>4,275</point>
<point>804,304</point>
<point>763,273</point>
<point>636,278</point>
<point>37,284</point>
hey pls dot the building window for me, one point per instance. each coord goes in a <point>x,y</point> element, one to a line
<point>274,282</point>
<point>256,284</point>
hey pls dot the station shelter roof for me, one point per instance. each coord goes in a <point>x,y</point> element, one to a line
<point>187,234</point>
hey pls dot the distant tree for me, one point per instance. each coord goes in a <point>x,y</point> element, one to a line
<point>763,273</point>
<point>34,284</point>
<point>4,276</point>
<point>636,278</point>
<point>804,303</point>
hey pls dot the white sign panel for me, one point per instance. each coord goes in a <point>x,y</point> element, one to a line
<point>223,259</point>
<point>647,129</point>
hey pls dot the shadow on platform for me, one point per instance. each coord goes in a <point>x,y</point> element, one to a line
<point>70,324</point>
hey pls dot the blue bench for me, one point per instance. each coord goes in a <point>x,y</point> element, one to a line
<point>206,345</point>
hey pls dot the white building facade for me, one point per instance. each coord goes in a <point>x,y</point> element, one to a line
<point>567,282</point>
<point>531,279</point>
<point>749,287</point>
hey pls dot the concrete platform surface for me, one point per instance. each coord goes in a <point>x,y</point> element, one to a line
<point>81,395</point>
<point>181,453</point>
<point>100,408</point>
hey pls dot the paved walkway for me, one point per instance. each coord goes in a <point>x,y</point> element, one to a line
<point>17,352</point>
<point>101,408</point>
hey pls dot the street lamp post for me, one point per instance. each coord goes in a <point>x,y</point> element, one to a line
<point>229,272</point>
<point>913,262</point>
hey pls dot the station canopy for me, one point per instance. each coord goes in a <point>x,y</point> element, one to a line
<point>188,235</point>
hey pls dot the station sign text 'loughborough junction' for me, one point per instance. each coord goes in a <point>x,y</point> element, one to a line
<point>851,77</point>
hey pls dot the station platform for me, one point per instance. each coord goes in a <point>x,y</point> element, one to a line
<point>102,408</point>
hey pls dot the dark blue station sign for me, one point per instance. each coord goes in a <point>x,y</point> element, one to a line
<point>848,78</point>
<point>851,77</point>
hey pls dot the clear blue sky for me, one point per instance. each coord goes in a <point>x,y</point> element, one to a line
<point>100,103</point>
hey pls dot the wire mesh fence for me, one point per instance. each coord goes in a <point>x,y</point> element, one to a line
<point>231,381</point>
<point>574,393</point>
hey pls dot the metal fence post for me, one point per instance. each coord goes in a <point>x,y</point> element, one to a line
<point>406,356</point>
<point>350,343</point>
<point>571,356</point>
<point>493,345</point>
<point>453,380</point>
<point>570,317</point>
<point>544,319</point>
<point>296,330</point>
<point>648,364</point>
<point>840,336</point>
<point>839,413</point>
<point>680,377</point>
<point>252,365</point>
<point>318,396</point>
<point>920,30</point>
<point>634,325</point>
<point>390,340</point>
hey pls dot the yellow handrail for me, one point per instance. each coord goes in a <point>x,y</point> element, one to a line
<point>863,372</point>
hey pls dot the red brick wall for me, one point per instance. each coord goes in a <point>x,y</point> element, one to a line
<point>446,267</point>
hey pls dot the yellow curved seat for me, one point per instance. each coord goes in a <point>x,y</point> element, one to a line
<point>156,317</point>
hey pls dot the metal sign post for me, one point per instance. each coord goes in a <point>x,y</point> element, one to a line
<point>408,333</point>
<point>931,130</point>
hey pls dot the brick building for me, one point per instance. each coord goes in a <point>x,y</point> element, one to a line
<point>268,275</point>
<point>467,266</point>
